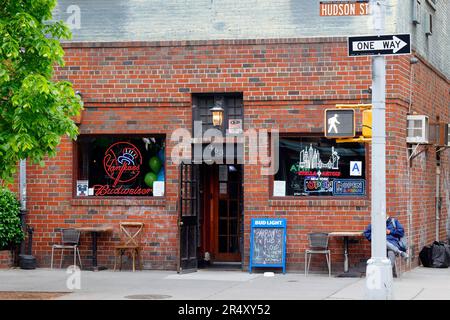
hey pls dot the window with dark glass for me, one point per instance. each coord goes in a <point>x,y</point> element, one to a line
<point>232,103</point>
<point>120,166</point>
<point>316,166</point>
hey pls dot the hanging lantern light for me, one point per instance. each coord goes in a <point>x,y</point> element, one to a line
<point>217,115</point>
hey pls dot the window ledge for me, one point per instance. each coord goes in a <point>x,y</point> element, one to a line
<point>320,202</point>
<point>105,201</point>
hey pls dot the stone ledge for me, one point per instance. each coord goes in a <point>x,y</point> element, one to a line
<point>109,201</point>
<point>361,202</point>
<point>216,42</point>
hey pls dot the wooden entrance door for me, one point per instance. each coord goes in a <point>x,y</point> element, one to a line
<point>222,212</point>
<point>229,213</point>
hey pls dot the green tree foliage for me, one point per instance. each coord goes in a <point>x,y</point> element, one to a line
<point>10,229</point>
<point>35,112</point>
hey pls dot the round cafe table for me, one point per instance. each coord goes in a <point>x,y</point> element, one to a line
<point>95,232</point>
<point>346,235</point>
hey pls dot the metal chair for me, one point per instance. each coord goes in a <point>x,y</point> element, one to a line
<point>131,240</point>
<point>318,243</point>
<point>70,239</point>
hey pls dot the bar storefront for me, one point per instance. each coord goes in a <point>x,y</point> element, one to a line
<point>198,214</point>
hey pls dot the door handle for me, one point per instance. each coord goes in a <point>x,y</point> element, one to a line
<point>181,223</point>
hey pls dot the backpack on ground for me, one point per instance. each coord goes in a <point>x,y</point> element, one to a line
<point>440,255</point>
<point>426,257</point>
<point>436,255</point>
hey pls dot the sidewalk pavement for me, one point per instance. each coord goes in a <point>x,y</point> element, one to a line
<point>418,284</point>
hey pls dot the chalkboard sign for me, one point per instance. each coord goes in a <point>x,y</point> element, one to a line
<point>268,243</point>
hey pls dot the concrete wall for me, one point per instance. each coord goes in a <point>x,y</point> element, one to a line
<point>125,20</point>
<point>434,48</point>
<point>156,20</point>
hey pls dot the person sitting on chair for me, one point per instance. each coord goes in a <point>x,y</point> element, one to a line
<point>394,232</point>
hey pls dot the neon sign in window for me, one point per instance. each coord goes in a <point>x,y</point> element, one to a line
<point>120,166</point>
<point>313,166</point>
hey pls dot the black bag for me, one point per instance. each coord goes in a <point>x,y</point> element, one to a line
<point>425,256</point>
<point>439,257</point>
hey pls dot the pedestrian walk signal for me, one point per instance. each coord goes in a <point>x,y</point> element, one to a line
<point>339,123</point>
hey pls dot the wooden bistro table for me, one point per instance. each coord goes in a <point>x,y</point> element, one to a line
<point>346,235</point>
<point>95,231</point>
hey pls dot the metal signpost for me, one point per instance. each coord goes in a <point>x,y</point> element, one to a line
<point>338,125</point>
<point>379,269</point>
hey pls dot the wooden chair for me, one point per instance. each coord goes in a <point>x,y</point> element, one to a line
<point>131,233</point>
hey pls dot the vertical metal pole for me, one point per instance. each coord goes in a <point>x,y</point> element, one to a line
<point>438,192</point>
<point>379,269</point>
<point>23,198</point>
<point>447,197</point>
<point>23,184</point>
<point>94,251</point>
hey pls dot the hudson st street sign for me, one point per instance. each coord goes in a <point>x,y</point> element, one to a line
<point>379,45</point>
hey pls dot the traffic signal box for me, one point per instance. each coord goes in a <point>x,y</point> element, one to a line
<point>367,123</point>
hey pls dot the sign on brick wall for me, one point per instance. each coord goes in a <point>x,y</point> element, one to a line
<point>343,8</point>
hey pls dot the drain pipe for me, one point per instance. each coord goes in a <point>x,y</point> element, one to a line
<point>409,209</point>
<point>26,261</point>
<point>409,205</point>
<point>438,185</point>
<point>23,198</point>
<point>446,178</point>
<point>447,196</point>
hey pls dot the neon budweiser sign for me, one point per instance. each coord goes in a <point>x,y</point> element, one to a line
<point>122,163</point>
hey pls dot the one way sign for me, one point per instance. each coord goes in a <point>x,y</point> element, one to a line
<point>379,45</point>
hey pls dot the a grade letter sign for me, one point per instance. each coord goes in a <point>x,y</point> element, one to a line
<point>379,45</point>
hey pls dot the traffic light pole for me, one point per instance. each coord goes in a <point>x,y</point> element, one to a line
<point>379,269</point>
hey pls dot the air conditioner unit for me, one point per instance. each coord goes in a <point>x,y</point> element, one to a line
<point>417,12</point>
<point>417,129</point>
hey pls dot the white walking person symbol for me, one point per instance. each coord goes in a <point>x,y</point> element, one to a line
<point>332,123</point>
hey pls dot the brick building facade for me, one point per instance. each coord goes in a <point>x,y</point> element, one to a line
<point>149,88</point>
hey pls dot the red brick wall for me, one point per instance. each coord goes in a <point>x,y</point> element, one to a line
<point>6,259</point>
<point>430,96</point>
<point>147,87</point>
